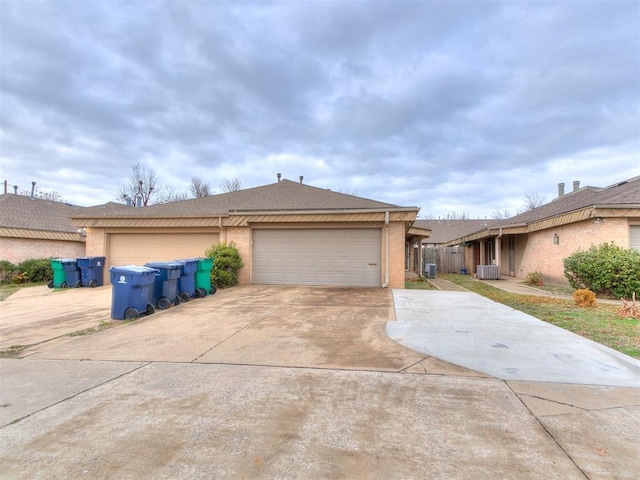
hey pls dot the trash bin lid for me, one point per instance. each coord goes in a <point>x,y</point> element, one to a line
<point>165,265</point>
<point>133,268</point>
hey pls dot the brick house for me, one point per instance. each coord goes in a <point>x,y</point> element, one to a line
<point>37,228</point>
<point>539,239</point>
<point>443,231</point>
<point>286,232</point>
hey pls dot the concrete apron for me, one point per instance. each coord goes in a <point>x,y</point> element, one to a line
<point>472,331</point>
<point>317,391</point>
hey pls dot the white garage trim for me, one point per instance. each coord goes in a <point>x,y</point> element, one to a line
<point>339,257</point>
<point>140,248</point>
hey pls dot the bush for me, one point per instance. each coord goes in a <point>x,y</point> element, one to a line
<point>534,279</point>
<point>584,298</point>
<point>606,270</point>
<point>7,271</point>
<point>35,270</point>
<point>226,264</point>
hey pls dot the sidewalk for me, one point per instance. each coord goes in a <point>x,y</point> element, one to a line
<point>510,284</point>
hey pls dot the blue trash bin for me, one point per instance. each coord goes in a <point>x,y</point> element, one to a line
<point>91,271</point>
<point>187,280</point>
<point>71,273</point>
<point>165,287</point>
<point>132,286</point>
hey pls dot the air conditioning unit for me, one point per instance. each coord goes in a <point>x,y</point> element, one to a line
<point>488,272</point>
<point>430,270</point>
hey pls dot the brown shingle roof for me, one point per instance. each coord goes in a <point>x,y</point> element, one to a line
<point>443,231</point>
<point>24,212</point>
<point>282,196</point>
<point>622,193</point>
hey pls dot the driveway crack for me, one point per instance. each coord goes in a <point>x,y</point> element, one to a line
<point>248,325</point>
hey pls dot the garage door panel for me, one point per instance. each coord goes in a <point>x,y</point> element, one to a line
<point>346,257</point>
<point>140,248</point>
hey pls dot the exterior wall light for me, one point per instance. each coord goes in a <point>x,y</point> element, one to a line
<point>556,239</point>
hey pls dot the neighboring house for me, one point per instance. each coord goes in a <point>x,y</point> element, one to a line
<point>286,232</point>
<point>442,232</point>
<point>37,228</point>
<point>539,239</point>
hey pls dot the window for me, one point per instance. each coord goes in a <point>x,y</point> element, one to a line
<point>634,237</point>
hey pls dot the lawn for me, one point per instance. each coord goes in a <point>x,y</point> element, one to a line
<point>600,324</point>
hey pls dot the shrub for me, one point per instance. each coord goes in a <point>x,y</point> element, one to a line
<point>7,271</point>
<point>534,279</point>
<point>607,270</point>
<point>35,270</point>
<point>584,298</point>
<point>226,264</point>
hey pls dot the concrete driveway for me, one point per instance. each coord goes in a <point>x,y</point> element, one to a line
<point>281,382</point>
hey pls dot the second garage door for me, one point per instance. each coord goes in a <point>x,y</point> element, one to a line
<point>140,248</point>
<point>342,257</point>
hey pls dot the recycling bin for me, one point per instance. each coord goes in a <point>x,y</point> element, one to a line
<point>71,273</point>
<point>91,271</point>
<point>187,280</point>
<point>132,287</point>
<point>203,277</point>
<point>59,276</point>
<point>165,286</point>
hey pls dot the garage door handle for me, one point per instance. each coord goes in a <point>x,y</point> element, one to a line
<point>373,264</point>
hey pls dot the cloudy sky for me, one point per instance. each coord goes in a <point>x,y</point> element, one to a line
<point>452,106</point>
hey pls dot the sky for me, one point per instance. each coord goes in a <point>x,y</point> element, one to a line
<point>451,106</point>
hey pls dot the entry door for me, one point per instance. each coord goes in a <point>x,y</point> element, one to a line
<point>512,256</point>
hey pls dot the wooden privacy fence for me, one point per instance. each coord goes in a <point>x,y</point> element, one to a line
<point>447,259</point>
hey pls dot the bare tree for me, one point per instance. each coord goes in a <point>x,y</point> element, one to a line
<point>457,216</point>
<point>143,183</point>
<point>199,188</point>
<point>533,200</point>
<point>232,185</point>
<point>349,191</point>
<point>50,195</point>
<point>500,214</point>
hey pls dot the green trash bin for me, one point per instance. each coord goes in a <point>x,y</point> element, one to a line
<point>203,277</point>
<point>59,275</point>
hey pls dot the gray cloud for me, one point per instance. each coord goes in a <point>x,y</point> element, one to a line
<point>443,105</point>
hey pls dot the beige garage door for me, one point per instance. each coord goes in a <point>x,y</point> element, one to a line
<point>344,257</point>
<point>140,248</point>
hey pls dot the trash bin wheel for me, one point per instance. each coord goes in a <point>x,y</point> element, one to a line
<point>130,313</point>
<point>93,283</point>
<point>150,309</point>
<point>163,303</point>
<point>50,284</point>
<point>78,283</point>
<point>201,292</point>
<point>213,289</point>
<point>184,296</point>
<point>63,285</point>
<point>177,300</point>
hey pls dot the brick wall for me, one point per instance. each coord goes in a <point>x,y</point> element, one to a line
<point>397,252</point>
<point>17,250</point>
<point>241,236</point>
<point>96,242</point>
<point>541,254</point>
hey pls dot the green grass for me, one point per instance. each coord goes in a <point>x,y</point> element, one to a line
<point>419,285</point>
<point>600,324</point>
<point>9,289</point>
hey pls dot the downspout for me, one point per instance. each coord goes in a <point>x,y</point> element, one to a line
<point>499,250</point>
<point>386,250</point>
